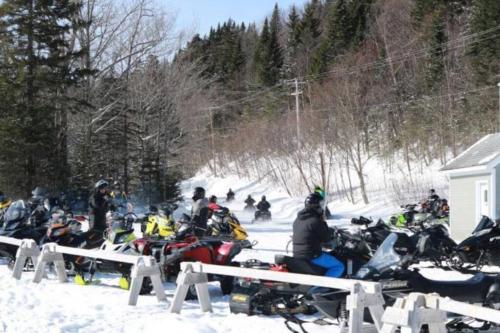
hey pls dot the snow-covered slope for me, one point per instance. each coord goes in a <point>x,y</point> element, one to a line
<point>54,307</point>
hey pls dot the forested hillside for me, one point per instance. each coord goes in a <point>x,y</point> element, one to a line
<point>399,80</point>
<point>90,89</point>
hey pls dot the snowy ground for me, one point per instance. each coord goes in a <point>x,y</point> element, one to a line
<point>54,307</point>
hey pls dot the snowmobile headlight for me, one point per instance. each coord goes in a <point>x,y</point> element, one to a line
<point>362,273</point>
<point>122,238</point>
<point>467,248</point>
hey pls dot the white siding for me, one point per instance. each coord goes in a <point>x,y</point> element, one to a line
<point>498,191</point>
<point>463,204</point>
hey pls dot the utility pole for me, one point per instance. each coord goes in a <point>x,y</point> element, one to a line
<point>212,139</point>
<point>297,93</point>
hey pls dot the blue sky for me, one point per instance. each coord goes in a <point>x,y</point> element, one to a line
<point>199,15</point>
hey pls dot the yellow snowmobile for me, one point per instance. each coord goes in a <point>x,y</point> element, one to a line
<point>159,223</point>
<point>224,223</point>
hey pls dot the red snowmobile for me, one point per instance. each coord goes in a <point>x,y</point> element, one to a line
<point>186,247</point>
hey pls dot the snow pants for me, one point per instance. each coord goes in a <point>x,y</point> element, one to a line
<point>334,268</point>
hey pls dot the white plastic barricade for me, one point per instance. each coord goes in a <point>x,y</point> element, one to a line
<point>143,266</point>
<point>27,248</point>
<point>415,310</point>
<point>363,295</point>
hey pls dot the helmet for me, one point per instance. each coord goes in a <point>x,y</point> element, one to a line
<point>313,200</point>
<point>58,215</point>
<point>213,199</point>
<point>319,190</point>
<point>263,197</point>
<point>199,192</point>
<point>101,184</point>
<point>432,191</point>
<point>39,192</point>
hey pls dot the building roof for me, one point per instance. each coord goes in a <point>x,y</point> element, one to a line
<point>481,153</point>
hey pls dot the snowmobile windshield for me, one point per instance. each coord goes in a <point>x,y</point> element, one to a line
<point>385,257</point>
<point>16,212</point>
<point>485,223</point>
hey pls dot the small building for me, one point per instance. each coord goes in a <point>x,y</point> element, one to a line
<point>474,177</point>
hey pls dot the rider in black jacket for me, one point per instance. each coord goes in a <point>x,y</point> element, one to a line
<point>99,205</point>
<point>263,204</point>
<point>309,232</point>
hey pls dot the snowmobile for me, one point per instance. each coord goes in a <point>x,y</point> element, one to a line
<point>481,248</point>
<point>158,222</point>
<point>268,297</point>
<point>226,225</point>
<point>262,215</point>
<point>397,278</point>
<point>118,238</point>
<point>69,234</point>
<point>169,253</point>
<point>20,223</point>
<point>425,241</point>
<point>408,216</point>
<point>3,208</point>
<point>249,208</point>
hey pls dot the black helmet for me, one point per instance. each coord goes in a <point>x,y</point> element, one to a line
<point>313,200</point>
<point>199,193</point>
<point>263,198</point>
<point>213,199</point>
<point>39,192</point>
<point>101,184</point>
<point>432,191</point>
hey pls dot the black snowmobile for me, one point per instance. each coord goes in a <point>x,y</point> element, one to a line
<point>481,248</point>
<point>268,297</point>
<point>375,234</point>
<point>423,240</point>
<point>397,279</point>
<point>21,223</point>
<point>262,215</point>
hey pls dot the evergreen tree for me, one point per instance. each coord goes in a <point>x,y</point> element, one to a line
<point>275,51</point>
<point>336,39</point>
<point>358,13</point>
<point>294,27</point>
<point>40,61</point>
<point>435,55</point>
<point>262,54</point>
<point>310,32</point>
<point>293,42</point>
<point>485,52</point>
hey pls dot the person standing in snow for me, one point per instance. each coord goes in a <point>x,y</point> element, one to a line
<point>199,212</point>
<point>309,232</point>
<point>99,205</point>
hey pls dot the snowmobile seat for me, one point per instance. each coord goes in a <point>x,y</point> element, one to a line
<point>300,266</point>
<point>213,242</point>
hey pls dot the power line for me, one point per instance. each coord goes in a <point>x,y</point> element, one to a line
<point>380,63</point>
<point>427,98</point>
